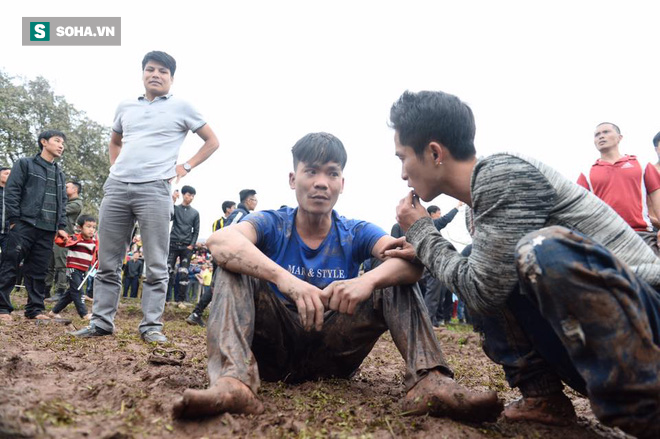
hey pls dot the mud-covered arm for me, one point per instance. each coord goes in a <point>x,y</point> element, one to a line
<point>393,271</point>
<point>345,295</point>
<point>510,198</point>
<point>234,248</point>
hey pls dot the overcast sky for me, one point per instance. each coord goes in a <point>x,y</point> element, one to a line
<point>538,77</point>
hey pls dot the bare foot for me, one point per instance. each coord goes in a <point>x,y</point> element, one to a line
<point>554,409</point>
<point>439,395</point>
<point>41,317</point>
<point>226,395</point>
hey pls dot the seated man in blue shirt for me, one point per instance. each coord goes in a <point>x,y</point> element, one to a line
<point>289,304</point>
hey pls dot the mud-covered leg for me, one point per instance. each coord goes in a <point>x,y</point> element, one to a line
<point>607,319</point>
<point>430,381</point>
<point>232,367</point>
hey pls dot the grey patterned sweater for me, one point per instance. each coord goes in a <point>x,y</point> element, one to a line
<point>513,195</point>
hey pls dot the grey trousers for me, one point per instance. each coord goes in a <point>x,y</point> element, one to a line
<point>151,205</point>
<point>252,334</point>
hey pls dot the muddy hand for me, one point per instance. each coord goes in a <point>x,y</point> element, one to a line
<point>307,298</point>
<point>400,248</point>
<point>344,296</point>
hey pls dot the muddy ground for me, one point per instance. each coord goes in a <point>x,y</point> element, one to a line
<point>54,386</point>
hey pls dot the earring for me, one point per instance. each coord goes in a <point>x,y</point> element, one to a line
<point>438,163</point>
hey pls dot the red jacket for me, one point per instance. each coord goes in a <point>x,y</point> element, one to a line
<point>82,252</point>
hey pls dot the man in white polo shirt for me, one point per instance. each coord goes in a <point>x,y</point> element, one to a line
<point>147,134</point>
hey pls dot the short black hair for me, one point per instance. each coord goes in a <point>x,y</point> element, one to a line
<point>46,135</point>
<point>432,209</point>
<point>162,58</point>
<point>77,185</point>
<point>4,168</point>
<point>656,140</point>
<point>227,205</point>
<point>188,190</point>
<point>319,148</point>
<point>82,219</point>
<point>616,128</point>
<point>246,193</point>
<point>434,116</point>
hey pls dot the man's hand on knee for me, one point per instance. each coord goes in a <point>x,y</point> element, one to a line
<point>345,295</point>
<point>307,298</point>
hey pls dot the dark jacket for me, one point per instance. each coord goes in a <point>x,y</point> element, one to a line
<point>4,221</point>
<point>26,189</point>
<point>185,228</point>
<point>442,222</point>
<point>219,223</point>
<point>396,231</point>
<point>237,215</point>
<point>134,268</point>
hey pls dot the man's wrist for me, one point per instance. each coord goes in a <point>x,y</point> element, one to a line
<point>187,167</point>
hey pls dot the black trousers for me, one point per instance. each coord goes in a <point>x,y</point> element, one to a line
<point>179,250</point>
<point>73,294</point>
<point>32,246</point>
<point>133,284</point>
<point>3,240</point>
<point>204,300</point>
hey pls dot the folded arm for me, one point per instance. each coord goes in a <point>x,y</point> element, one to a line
<point>345,295</point>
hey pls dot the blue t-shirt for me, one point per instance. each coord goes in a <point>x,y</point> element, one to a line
<point>339,256</point>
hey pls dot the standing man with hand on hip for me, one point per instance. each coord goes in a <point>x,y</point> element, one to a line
<point>146,138</point>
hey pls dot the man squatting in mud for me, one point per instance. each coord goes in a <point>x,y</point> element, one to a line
<point>562,288</point>
<point>289,305</point>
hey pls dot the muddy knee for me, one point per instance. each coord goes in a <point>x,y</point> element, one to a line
<point>544,249</point>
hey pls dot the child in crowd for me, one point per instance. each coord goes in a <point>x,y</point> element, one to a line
<point>205,277</point>
<point>81,256</point>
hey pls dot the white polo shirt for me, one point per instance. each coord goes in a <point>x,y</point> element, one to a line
<point>152,134</point>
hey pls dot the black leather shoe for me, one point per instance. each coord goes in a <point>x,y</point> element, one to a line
<point>195,319</point>
<point>90,331</point>
<point>153,336</point>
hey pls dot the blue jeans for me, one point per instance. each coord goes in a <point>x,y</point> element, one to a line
<point>580,316</point>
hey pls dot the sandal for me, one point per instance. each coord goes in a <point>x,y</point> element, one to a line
<point>43,319</point>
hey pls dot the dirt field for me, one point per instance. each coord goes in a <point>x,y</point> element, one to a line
<point>53,386</point>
